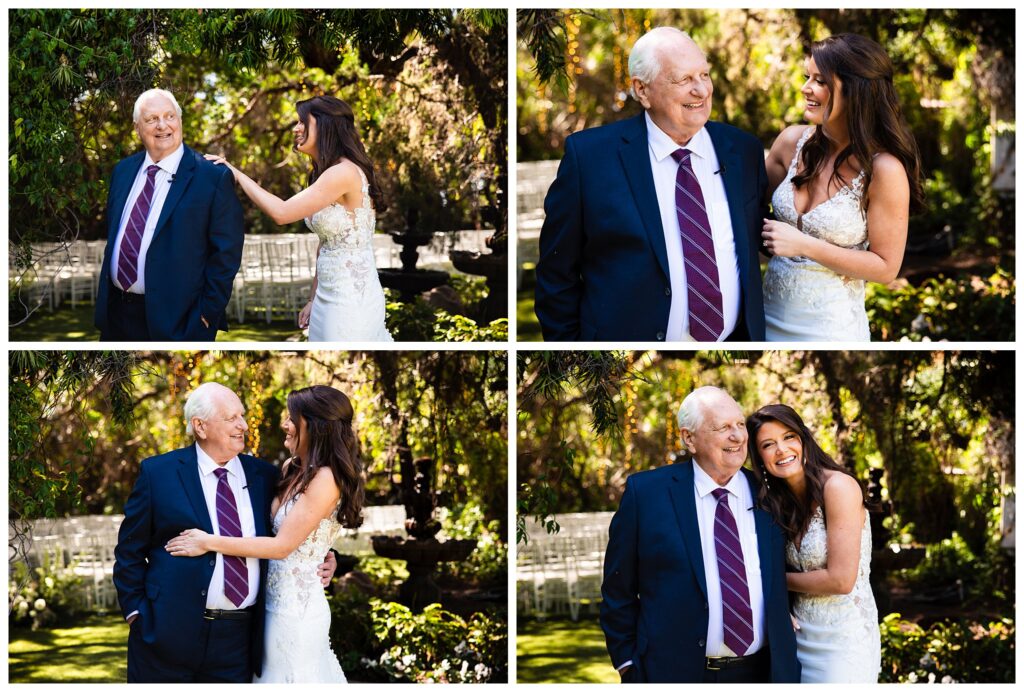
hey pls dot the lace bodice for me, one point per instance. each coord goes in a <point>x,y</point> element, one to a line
<point>838,220</point>
<point>858,606</point>
<point>340,228</point>
<point>292,581</point>
<point>803,300</point>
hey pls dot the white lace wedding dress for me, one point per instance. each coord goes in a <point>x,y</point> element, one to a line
<point>838,639</point>
<point>296,644</point>
<point>804,301</point>
<point>349,300</point>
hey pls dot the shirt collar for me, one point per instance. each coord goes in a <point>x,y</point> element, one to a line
<point>704,484</point>
<point>169,164</point>
<point>208,465</point>
<point>662,145</point>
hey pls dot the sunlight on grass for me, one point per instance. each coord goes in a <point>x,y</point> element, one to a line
<point>562,651</point>
<point>93,652</point>
<point>76,324</point>
<point>527,326</point>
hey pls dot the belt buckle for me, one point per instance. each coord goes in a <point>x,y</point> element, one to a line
<point>711,662</point>
<point>208,616</point>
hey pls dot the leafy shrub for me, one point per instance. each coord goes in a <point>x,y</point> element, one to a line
<point>45,596</point>
<point>947,651</point>
<point>965,308</point>
<point>438,646</point>
<point>418,321</point>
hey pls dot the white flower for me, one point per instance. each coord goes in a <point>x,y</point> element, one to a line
<point>23,607</point>
<point>931,678</point>
<point>446,665</point>
<point>40,604</point>
<point>912,677</point>
<point>947,679</point>
<point>409,659</point>
<point>49,582</point>
<point>465,668</point>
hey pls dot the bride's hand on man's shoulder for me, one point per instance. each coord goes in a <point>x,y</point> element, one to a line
<point>219,160</point>
<point>189,543</point>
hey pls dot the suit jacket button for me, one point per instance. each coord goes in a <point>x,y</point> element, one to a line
<point>214,562</point>
<point>661,336</point>
<point>668,291</point>
<point>203,592</point>
<point>701,643</point>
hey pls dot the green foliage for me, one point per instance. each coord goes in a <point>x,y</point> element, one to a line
<point>46,596</point>
<point>418,321</point>
<point>439,646</point>
<point>488,563</point>
<point>950,563</point>
<point>947,651</point>
<point>93,650</point>
<point>965,308</point>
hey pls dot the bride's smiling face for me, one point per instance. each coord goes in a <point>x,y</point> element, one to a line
<point>781,450</point>
<point>295,440</point>
<point>818,97</point>
<point>305,136</point>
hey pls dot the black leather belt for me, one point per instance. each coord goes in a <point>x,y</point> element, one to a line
<point>244,614</point>
<point>723,662</point>
<point>126,297</point>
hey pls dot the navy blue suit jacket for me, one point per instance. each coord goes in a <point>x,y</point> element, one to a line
<point>603,270</point>
<point>195,253</point>
<point>654,610</point>
<point>170,592</point>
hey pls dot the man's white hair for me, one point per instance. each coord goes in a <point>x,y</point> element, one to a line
<point>201,403</point>
<point>691,411</point>
<point>645,56</point>
<point>150,94</point>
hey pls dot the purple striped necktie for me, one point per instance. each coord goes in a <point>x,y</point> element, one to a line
<point>737,617</point>
<point>128,262</point>
<point>703,291</point>
<point>236,573</point>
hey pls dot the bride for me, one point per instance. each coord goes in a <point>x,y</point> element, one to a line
<point>321,490</point>
<point>844,188</point>
<point>820,508</point>
<point>339,206</point>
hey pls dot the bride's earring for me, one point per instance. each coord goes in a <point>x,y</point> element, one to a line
<point>765,472</point>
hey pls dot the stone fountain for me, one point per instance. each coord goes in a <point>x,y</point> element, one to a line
<point>422,552</point>
<point>493,266</point>
<point>410,281</point>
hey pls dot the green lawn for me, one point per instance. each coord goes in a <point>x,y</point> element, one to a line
<point>75,324</point>
<point>93,651</point>
<point>527,326</point>
<point>562,651</point>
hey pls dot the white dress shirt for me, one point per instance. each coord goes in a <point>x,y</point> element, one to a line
<point>215,597</point>
<point>741,502</point>
<point>705,165</point>
<point>161,184</point>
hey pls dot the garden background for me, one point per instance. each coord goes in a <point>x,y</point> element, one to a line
<point>955,74</point>
<point>929,434</point>
<point>428,88</point>
<point>81,422</point>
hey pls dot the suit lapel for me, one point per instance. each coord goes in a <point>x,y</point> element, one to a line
<point>120,187</point>
<point>764,529</point>
<point>681,491</point>
<point>188,472</point>
<point>186,169</point>
<point>257,495</point>
<point>732,177</point>
<point>637,163</point>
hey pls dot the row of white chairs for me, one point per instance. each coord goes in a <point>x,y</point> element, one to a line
<point>87,543</point>
<point>561,573</point>
<point>274,280</point>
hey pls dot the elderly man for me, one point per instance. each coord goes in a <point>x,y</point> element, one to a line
<point>652,226</point>
<point>174,236</point>
<point>694,579</point>
<point>197,619</point>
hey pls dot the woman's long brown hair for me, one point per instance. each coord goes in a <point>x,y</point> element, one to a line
<point>337,139</point>
<point>773,494</point>
<point>873,115</point>
<point>331,443</point>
